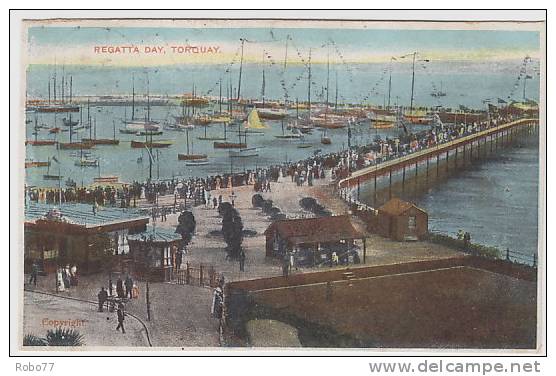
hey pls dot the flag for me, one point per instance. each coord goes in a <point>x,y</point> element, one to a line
<point>528,77</point>
<point>500,100</point>
<point>55,159</point>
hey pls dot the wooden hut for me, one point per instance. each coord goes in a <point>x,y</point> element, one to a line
<point>400,220</point>
<point>312,239</point>
<point>153,253</point>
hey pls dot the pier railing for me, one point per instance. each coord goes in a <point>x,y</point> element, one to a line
<point>420,155</point>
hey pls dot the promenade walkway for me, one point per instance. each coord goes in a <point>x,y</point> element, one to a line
<point>398,163</point>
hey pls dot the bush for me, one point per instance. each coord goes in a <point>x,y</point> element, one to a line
<point>186,227</point>
<point>249,233</point>
<point>267,206</point>
<point>64,337</point>
<point>232,229</point>
<point>277,217</point>
<point>308,203</point>
<point>257,200</point>
<point>33,340</point>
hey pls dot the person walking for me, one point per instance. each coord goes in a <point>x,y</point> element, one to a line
<point>242,261</point>
<point>121,317</point>
<point>102,297</point>
<point>34,273</point>
<point>120,288</point>
<point>466,241</point>
<point>128,286</point>
<point>217,302</point>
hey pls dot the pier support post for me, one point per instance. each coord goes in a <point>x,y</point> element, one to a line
<point>464,148</point>
<point>496,141</point>
<point>471,153</point>
<point>491,144</point>
<point>403,179</point>
<point>364,250</point>
<point>374,200</point>
<point>390,186</point>
<point>427,168</point>
<point>447,163</point>
<point>437,164</point>
<point>456,157</point>
<point>358,188</point>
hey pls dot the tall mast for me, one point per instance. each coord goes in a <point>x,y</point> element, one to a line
<point>336,99</point>
<point>286,55</point>
<point>240,70</point>
<point>327,82</point>
<point>309,92</point>
<point>49,91</point>
<point>412,83</point>
<point>263,84</point>
<point>133,96</point>
<point>390,84</point>
<point>220,97</point>
<point>89,119</point>
<point>148,101</point>
<point>71,88</point>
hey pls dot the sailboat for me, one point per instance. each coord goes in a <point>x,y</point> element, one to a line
<point>71,144</point>
<point>438,93</point>
<point>325,140</point>
<point>190,156</point>
<point>103,141</point>
<point>134,125</point>
<point>295,133</point>
<point>48,176</point>
<point>253,125</point>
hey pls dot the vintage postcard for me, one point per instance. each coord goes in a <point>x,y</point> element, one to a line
<point>280,184</point>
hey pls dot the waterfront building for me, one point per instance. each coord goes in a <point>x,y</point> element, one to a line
<point>153,253</point>
<point>312,240</point>
<point>78,234</point>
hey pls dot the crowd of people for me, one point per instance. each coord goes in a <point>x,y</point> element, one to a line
<point>341,163</point>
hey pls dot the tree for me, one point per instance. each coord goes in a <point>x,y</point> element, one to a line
<point>186,227</point>
<point>232,229</point>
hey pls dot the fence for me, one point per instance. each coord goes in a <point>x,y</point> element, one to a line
<point>483,251</point>
<point>202,275</point>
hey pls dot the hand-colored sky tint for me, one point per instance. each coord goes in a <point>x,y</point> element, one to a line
<point>75,45</point>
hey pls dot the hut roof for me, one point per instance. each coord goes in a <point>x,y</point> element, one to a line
<point>396,206</point>
<point>158,234</point>
<point>315,230</point>
<point>81,214</point>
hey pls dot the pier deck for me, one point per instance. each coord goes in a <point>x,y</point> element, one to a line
<point>384,168</point>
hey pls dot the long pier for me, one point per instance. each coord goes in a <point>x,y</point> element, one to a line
<point>401,163</point>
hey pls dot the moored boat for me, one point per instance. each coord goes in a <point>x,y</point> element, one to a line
<point>29,164</point>
<point>75,145</point>
<point>153,144</point>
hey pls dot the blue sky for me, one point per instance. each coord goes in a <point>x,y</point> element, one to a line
<point>355,43</point>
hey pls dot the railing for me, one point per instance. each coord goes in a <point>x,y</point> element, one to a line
<point>202,275</point>
<point>483,251</point>
<point>421,154</point>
